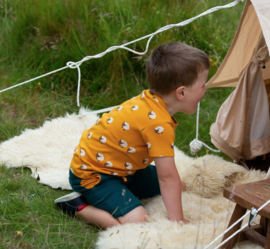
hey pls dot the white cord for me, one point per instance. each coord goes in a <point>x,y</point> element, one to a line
<point>227,230</point>
<point>254,210</point>
<point>38,77</point>
<point>238,231</point>
<point>98,111</point>
<point>73,65</point>
<point>196,145</point>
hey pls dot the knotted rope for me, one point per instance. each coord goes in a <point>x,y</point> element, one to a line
<point>196,145</point>
<point>73,65</point>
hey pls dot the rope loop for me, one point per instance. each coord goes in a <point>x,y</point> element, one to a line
<point>73,65</point>
<point>195,146</point>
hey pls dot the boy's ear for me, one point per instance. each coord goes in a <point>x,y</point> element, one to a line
<point>180,92</point>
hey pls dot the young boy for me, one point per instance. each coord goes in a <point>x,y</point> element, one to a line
<point>110,168</point>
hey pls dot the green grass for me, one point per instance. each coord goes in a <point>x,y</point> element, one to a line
<point>28,218</point>
<point>37,37</point>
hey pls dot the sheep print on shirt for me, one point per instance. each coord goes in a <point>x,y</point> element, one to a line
<point>125,140</point>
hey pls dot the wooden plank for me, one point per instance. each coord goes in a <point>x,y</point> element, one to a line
<point>255,237</point>
<point>258,228</point>
<point>238,212</point>
<point>250,195</point>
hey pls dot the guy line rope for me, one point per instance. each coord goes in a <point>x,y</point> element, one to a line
<point>253,212</point>
<point>77,64</point>
<point>195,144</point>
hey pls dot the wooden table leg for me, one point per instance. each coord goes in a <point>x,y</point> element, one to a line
<point>267,245</point>
<point>238,212</point>
<point>264,224</point>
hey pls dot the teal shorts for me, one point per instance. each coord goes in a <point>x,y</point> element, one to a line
<point>116,196</point>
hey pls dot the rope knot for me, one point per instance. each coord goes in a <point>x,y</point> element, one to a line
<point>195,146</point>
<point>73,65</point>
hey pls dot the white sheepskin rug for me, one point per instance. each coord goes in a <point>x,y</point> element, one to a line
<point>48,150</point>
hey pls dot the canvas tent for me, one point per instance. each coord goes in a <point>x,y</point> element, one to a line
<point>242,127</point>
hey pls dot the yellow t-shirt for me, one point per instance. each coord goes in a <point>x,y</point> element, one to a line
<point>125,140</point>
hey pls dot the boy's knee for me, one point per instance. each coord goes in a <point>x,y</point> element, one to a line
<point>137,215</point>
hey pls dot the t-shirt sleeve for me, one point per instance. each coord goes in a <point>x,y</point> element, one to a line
<point>159,139</point>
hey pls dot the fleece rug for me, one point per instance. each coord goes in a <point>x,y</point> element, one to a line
<point>48,150</point>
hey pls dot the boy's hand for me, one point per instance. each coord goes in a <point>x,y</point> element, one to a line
<point>184,221</point>
<point>184,187</point>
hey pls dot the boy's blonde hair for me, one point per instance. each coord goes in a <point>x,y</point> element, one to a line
<point>174,64</point>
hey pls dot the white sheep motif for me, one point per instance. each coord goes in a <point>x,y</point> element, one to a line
<point>89,135</point>
<point>99,157</point>
<point>82,152</point>
<point>152,115</point>
<point>102,139</point>
<point>109,120</point>
<point>125,126</point>
<point>159,130</point>
<point>123,143</point>
<point>135,108</point>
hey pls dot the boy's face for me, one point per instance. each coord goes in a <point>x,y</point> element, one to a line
<point>195,93</point>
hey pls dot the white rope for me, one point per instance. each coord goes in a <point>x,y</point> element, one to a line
<point>196,145</point>
<point>238,231</point>
<point>255,211</point>
<point>227,230</point>
<point>38,77</point>
<point>73,65</point>
<point>99,111</point>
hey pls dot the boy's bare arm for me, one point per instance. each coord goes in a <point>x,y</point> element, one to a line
<point>170,187</point>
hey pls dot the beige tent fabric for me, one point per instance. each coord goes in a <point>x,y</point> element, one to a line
<point>262,8</point>
<point>242,128</point>
<point>255,20</point>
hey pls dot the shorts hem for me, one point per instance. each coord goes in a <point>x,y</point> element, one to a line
<point>121,213</point>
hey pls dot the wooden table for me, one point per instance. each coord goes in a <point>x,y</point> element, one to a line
<point>246,196</point>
